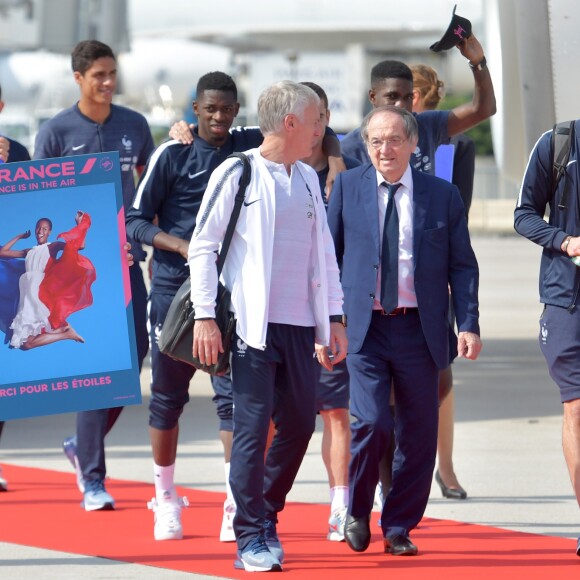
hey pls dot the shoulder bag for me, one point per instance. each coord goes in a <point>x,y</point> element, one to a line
<point>176,339</point>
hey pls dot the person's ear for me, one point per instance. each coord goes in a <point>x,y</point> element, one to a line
<point>372,96</point>
<point>1,105</point>
<point>289,121</point>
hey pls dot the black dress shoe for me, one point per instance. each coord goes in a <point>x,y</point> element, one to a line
<point>357,533</point>
<point>450,492</point>
<point>400,546</point>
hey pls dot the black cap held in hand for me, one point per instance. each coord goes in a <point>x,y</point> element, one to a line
<point>459,29</point>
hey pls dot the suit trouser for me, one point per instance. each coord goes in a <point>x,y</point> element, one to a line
<point>279,383</point>
<point>394,351</point>
<point>92,426</point>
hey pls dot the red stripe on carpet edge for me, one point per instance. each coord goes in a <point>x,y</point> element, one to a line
<point>42,509</point>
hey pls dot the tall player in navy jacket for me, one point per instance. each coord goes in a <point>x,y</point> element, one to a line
<point>164,215</point>
<point>408,345</point>
<point>559,279</point>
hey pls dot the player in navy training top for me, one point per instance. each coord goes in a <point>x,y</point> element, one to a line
<point>164,216</point>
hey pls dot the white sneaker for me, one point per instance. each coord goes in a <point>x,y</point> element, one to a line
<point>379,498</point>
<point>227,532</point>
<point>379,501</point>
<point>3,482</point>
<point>336,525</point>
<point>168,518</point>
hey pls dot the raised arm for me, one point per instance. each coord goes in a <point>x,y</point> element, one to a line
<point>483,104</point>
<point>7,252</point>
<point>55,247</point>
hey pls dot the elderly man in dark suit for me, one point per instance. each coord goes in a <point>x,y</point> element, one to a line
<point>402,244</point>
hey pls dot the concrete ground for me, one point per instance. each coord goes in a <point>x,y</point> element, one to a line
<point>507,438</point>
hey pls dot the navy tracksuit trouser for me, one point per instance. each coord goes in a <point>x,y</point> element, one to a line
<point>279,383</point>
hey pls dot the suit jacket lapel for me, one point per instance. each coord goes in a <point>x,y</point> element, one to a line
<point>420,204</point>
<point>370,202</point>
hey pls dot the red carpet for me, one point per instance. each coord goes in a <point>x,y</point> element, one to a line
<point>42,510</point>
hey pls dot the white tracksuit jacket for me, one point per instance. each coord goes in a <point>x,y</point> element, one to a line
<point>247,269</point>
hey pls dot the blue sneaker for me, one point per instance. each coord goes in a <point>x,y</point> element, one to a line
<point>96,497</point>
<point>272,540</point>
<point>69,446</point>
<point>257,557</point>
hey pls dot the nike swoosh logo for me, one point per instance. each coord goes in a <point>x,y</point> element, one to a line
<point>78,147</point>
<point>194,175</point>
<point>570,162</point>
<point>247,203</point>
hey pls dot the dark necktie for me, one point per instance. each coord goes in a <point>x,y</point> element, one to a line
<point>390,253</point>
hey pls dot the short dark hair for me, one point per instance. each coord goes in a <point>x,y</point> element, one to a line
<point>318,90</point>
<point>44,219</point>
<point>216,81</point>
<point>390,69</point>
<point>86,52</point>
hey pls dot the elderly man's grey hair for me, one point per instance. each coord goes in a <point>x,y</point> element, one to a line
<point>281,99</point>
<point>409,121</point>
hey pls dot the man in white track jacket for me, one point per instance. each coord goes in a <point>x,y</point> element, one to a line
<point>282,273</point>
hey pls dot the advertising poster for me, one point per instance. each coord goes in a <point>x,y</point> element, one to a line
<point>66,323</point>
<point>444,161</point>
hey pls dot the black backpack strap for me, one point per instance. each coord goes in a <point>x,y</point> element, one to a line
<point>240,196</point>
<point>562,136</point>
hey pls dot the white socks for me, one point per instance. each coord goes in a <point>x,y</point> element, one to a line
<point>164,486</point>
<point>229,494</point>
<point>338,497</point>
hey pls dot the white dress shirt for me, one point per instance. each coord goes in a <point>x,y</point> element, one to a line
<point>404,203</point>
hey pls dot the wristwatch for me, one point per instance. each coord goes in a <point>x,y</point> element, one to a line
<point>565,243</point>
<point>338,318</point>
<point>480,65</point>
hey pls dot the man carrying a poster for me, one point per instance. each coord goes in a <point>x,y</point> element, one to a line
<point>95,125</point>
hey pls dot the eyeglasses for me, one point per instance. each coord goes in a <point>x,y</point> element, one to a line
<point>378,144</point>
